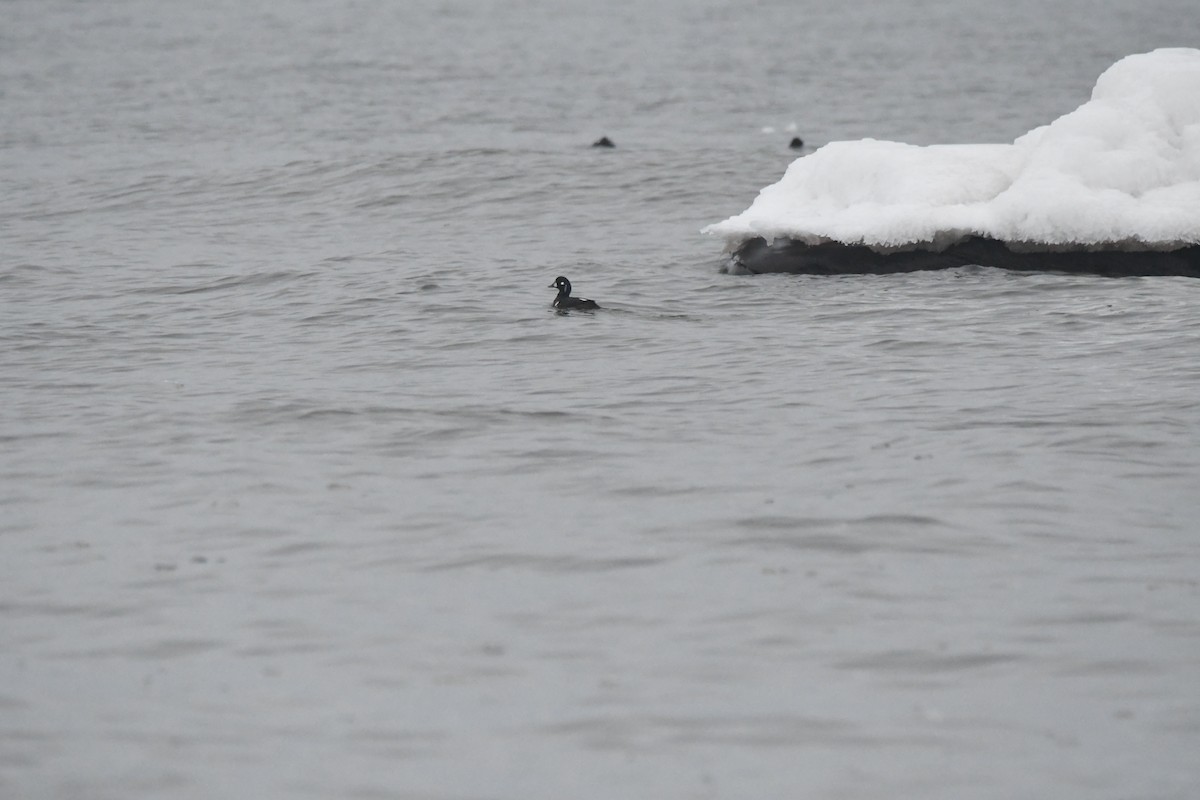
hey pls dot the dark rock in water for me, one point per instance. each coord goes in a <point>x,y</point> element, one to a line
<point>796,143</point>
<point>603,141</point>
<point>785,255</point>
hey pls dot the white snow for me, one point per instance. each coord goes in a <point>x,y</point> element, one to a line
<point>1121,171</point>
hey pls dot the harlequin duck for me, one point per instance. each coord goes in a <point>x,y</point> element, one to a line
<point>564,299</point>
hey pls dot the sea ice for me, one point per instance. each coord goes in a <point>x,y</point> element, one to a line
<point>1122,171</point>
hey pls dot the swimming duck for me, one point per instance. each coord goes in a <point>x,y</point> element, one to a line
<point>564,299</point>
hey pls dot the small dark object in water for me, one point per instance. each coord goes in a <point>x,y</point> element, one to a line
<point>796,143</point>
<point>564,299</point>
<point>603,141</point>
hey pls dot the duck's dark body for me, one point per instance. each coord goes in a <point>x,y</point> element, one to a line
<point>565,301</point>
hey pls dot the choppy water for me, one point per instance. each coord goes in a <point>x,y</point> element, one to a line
<point>307,493</point>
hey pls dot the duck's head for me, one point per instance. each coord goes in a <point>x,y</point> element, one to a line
<point>562,284</point>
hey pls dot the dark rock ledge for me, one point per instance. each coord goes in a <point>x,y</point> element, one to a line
<point>785,255</point>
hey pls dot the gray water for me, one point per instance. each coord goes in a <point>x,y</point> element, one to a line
<point>306,492</point>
